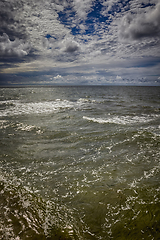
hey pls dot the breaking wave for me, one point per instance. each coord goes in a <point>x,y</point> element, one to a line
<point>18,108</point>
<point>123,120</point>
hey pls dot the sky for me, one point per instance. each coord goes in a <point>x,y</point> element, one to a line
<point>79,42</point>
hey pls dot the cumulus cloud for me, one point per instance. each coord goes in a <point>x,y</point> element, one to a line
<point>138,26</point>
<point>58,77</point>
<point>118,77</point>
<point>16,48</point>
<point>71,46</point>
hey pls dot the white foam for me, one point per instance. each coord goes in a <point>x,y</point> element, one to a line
<point>3,124</point>
<point>25,127</point>
<point>123,120</point>
<point>18,108</point>
<point>82,101</point>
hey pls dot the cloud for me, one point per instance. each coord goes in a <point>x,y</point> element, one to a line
<point>70,46</point>
<point>10,22</point>
<point>82,8</point>
<point>107,6</point>
<point>118,77</point>
<point>66,34</point>
<point>58,77</point>
<point>16,48</point>
<point>138,26</point>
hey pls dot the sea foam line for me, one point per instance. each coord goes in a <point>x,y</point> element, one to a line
<point>123,120</point>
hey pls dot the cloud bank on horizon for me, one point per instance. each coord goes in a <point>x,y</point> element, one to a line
<point>80,42</point>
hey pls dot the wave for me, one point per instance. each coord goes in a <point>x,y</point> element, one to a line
<point>18,108</point>
<point>123,120</point>
<point>15,107</point>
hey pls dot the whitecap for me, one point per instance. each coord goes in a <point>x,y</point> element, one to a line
<point>123,120</point>
<point>19,108</point>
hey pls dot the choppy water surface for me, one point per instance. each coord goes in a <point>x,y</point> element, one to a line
<point>80,163</point>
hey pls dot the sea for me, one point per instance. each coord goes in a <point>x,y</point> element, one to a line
<point>80,163</point>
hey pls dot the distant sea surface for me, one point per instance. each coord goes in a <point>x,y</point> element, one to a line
<point>80,163</point>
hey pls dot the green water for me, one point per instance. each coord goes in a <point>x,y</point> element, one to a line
<point>80,163</point>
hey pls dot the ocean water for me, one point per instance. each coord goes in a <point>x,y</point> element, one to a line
<point>80,163</point>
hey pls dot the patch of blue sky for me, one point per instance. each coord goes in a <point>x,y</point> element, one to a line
<point>49,36</point>
<point>96,13</point>
<point>66,16</point>
<point>95,17</point>
<point>76,30</point>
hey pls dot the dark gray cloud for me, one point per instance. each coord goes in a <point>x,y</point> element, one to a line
<point>144,25</point>
<point>71,47</point>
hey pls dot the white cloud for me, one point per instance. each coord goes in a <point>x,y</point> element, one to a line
<point>118,77</point>
<point>82,8</point>
<point>107,6</point>
<point>137,26</point>
<point>58,77</point>
<point>16,48</point>
<point>39,19</point>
